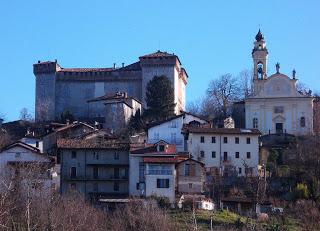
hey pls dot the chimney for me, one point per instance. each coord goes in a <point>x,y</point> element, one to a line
<point>114,66</point>
<point>39,61</point>
<point>122,64</point>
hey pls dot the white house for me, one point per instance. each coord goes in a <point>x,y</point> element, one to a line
<point>25,162</point>
<point>275,105</point>
<point>170,129</point>
<point>152,171</point>
<point>224,149</point>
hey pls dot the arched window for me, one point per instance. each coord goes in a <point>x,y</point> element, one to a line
<point>260,70</point>
<point>302,122</point>
<point>255,123</point>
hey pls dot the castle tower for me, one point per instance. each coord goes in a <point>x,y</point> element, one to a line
<point>45,73</point>
<point>260,57</point>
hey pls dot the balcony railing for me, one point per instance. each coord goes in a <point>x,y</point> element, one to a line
<point>110,178</point>
<point>159,172</point>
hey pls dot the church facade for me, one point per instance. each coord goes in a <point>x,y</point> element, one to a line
<point>275,105</point>
<point>61,89</point>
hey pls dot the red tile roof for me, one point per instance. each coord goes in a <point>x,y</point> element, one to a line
<point>170,149</point>
<point>168,160</point>
<point>92,144</point>
<point>206,129</point>
<point>158,54</point>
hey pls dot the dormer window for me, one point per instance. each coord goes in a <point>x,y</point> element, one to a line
<point>161,147</point>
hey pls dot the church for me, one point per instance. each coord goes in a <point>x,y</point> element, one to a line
<point>275,105</point>
<point>60,89</point>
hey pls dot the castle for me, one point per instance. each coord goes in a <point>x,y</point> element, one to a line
<point>61,89</point>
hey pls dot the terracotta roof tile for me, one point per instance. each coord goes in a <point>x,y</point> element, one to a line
<point>205,129</point>
<point>158,54</point>
<point>92,144</point>
<point>169,150</point>
<point>172,160</point>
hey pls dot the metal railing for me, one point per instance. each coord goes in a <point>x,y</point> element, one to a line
<point>159,172</point>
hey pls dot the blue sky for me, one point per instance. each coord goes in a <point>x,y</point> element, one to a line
<point>210,37</point>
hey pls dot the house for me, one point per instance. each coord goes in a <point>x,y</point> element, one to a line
<point>26,165</point>
<point>190,177</point>
<point>115,110</point>
<point>170,129</point>
<point>95,165</point>
<point>224,150</point>
<point>152,170</point>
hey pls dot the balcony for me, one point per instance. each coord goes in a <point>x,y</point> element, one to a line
<point>159,172</point>
<point>91,178</point>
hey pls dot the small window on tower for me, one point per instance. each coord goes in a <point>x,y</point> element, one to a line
<point>302,122</point>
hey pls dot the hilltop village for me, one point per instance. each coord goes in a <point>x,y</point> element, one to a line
<point>97,133</point>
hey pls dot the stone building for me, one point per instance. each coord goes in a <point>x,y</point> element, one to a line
<point>95,166</point>
<point>61,89</point>
<point>115,111</point>
<point>275,105</point>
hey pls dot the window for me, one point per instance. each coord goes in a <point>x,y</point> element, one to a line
<point>173,124</point>
<point>255,123</point>
<point>236,140</point>
<point>173,138</point>
<point>240,170</point>
<point>213,139</point>
<point>248,140</point>
<point>156,136</point>
<point>73,172</point>
<point>162,183</point>
<point>17,154</point>
<point>73,186</point>
<point>96,155</point>
<point>225,156</point>
<point>248,155</point>
<point>225,140</point>
<point>116,156</point>
<point>201,154</point>
<point>159,169</point>
<point>95,187</point>
<point>237,155</point>
<point>161,148</point>
<point>116,173</point>
<point>37,144</point>
<point>116,186</point>
<point>190,185</point>
<point>278,109</point>
<point>141,172</point>
<point>73,155</point>
<point>302,122</point>
<point>213,154</point>
<point>95,172</point>
<point>202,139</point>
<point>187,169</point>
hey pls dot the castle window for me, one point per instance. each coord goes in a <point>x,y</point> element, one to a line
<point>302,122</point>
<point>255,122</point>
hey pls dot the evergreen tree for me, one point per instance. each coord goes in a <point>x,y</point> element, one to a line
<point>159,98</point>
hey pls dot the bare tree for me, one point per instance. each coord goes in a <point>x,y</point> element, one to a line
<point>245,79</point>
<point>222,92</point>
<point>25,115</point>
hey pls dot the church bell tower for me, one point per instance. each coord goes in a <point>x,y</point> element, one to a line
<point>260,57</point>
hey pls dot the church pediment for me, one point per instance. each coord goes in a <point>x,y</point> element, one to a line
<point>279,119</point>
<point>277,85</point>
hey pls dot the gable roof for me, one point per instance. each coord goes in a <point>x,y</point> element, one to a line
<point>153,149</point>
<point>183,113</point>
<point>190,159</point>
<point>160,54</point>
<point>21,144</point>
<point>73,125</point>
